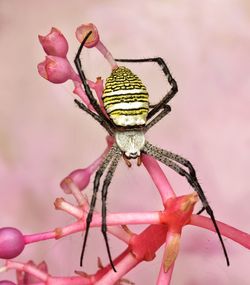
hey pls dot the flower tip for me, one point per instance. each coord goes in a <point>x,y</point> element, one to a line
<point>194,197</point>
<point>41,38</point>
<point>54,43</point>
<point>83,30</point>
<point>55,30</point>
<point>188,202</point>
<point>65,185</point>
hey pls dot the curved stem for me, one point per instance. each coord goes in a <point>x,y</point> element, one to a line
<point>226,230</point>
<point>158,177</point>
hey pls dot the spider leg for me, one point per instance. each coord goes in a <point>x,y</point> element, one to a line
<point>200,211</point>
<point>151,106</point>
<point>98,176</point>
<point>87,89</point>
<point>156,119</point>
<point>174,88</point>
<point>106,183</point>
<point>95,116</point>
<point>167,158</point>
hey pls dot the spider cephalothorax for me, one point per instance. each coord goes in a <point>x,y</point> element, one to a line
<point>128,117</point>
<point>131,143</point>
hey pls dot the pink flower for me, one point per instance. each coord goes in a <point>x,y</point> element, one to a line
<point>54,43</point>
<point>79,177</point>
<point>83,30</point>
<point>55,69</point>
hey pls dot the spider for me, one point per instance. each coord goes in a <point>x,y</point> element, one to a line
<point>129,116</point>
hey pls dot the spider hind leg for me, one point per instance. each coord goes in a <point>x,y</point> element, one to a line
<point>106,183</point>
<point>169,159</point>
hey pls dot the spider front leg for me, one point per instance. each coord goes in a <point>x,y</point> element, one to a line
<point>156,119</point>
<point>171,93</point>
<point>93,101</point>
<point>98,176</point>
<point>95,116</point>
<point>168,159</point>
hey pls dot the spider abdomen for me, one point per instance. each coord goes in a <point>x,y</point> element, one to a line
<point>125,98</point>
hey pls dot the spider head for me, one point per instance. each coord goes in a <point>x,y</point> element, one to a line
<point>130,142</point>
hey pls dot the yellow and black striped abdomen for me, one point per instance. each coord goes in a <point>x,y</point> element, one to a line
<point>125,98</point>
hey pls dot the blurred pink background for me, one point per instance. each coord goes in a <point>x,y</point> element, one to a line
<point>43,136</point>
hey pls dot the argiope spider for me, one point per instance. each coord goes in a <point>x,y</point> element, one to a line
<point>129,117</point>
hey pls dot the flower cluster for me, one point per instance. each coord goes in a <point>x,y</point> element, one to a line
<point>164,227</point>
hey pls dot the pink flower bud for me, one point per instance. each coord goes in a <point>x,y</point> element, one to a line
<point>83,30</point>
<point>80,177</point>
<point>11,242</point>
<point>55,69</point>
<point>54,43</point>
<point>6,282</point>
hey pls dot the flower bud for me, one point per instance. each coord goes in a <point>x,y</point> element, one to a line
<point>11,242</point>
<point>80,177</point>
<point>83,30</point>
<point>55,69</point>
<point>54,43</point>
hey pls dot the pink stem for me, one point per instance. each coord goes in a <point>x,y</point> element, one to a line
<point>45,277</point>
<point>74,211</point>
<point>27,268</point>
<point>97,86</point>
<point>159,178</point>
<point>123,264</point>
<point>132,218</point>
<point>164,278</point>
<point>39,237</point>
<point>93,166</point>
<point>81,199</point>
<point>112,219</point>
<point>139,218</point>
<point>226,230</point>
<point>120,233</point>
<point>74,280</point>
<point>106,53</point>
